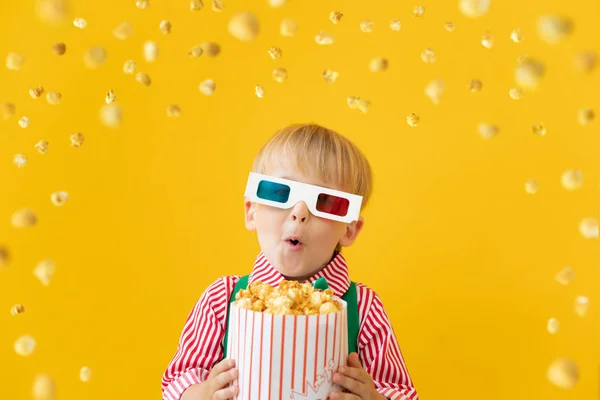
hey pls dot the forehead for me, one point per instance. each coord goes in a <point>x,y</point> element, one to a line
<point>282,167</point>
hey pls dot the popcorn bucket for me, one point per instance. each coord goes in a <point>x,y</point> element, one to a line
<point>287,356</point>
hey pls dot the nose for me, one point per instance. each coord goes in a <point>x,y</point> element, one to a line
<point>300,212</point>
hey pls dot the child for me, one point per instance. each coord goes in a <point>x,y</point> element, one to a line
<point>302,242</point>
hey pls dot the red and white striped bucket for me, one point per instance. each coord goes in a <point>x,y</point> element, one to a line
<point>287,356</point>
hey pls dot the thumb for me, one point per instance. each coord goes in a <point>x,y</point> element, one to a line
<point>353,361</point>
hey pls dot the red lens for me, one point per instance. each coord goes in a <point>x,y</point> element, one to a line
<point>330,204</point>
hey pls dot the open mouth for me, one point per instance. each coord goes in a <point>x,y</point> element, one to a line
<point>294,242</point>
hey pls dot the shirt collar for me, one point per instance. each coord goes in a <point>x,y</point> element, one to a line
<point>336,273</point>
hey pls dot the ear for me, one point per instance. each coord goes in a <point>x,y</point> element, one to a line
<point>351,232</point>
<point>250,210</point>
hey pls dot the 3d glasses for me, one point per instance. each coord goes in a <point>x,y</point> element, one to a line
<point>322,202</point>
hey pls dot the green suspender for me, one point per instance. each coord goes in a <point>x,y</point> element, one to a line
<point>349,297</point>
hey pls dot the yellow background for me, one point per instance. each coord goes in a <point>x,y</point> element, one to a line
<point>462,257</point>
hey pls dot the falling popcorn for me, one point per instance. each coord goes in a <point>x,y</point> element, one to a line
<point>173,110</point>
<point>516,93</point>
<point>210,49</point>
<point>366,26</point>
<point>418,11</point>
<point>517,35</point>
<point>217,5</point>
<point>165,26</point>
<point>244,26</point>
<point>150,51</point>
<point>358,103</point>
<point>553,326</point>
<point>572,179</point>
<point>259,91</point>
<point>277,3</point>
<point>323,38</point>
<point>111,116</point>
<point>110,97</point>
<point>330,75</point>
<point>413,120</point>
<point>24,122</point>
<point>42,146</point>
<point>7,110</point>
<point>288,27</point>
<point>196,5</point>
<point>143,78</point>
<point>532,186</point>
<point>53,98</point>
<point>528,73</point>
<point>59,198</point>
<point>123,31</point>
<point>14,61</point>
<point>275,52</point>
<point>36,92</point>
<point>44,271</point>
<point>565,276</point>
<point>129,67</point>
<point>585,61</point>
<point>563,373</point>
<point>25,345</point>
<point>59,49</point>
<point>434,90</point>
<point>23,218</point>
<point>378,64</point>
<point>585,116</point>
<point>539,130</point>
<point>395,25</point>
<point>95,57</point>
<point>142,4</point>
<point>428,56</point>
<point>52,11</point>
<point>588,227</point>
<point>552,29</point>
<point>582,304</point>
<point>80,23</point>
<point>474,8</point>
<point>335,16</point>
<point>280,74</point>
<point>4,257</point>
<point>487,40</point>
<point>487,131</point>
<point>207,87</point>
<point>20,160</point>
<point>450,26</point>
<point>43,388</point>
<point>475,85</point>
<point>85,374</point>
<point>17,309</point>
<point>76,139</point>
<point>195,52</point>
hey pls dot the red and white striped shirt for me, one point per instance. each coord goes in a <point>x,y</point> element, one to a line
<point>201,342</point>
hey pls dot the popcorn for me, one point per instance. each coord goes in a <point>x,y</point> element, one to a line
<point>44,271</point>
<point>565,276</point>
<point>59,198</point>
<point>53,98</point>
<point>151,51</point>
<point>23,218</point>
<point>142,4</point>
<point>335,16</point>
<point>475,85</point>
<point>539,130</point>
<point>572,179</point>
<point>529,73</point>
<point>80,23</point>
<point>165,26</point>
<point>366,26</point>
<point>553,326</point>
<point>330,75</point>
<point>243,26</point>
<point>195,52</point>
<point>173,111</point>
<point>582,305</point>
<point>76,139</point>
<point>395,25</point>
<point>585,116</point>
<point>418,11</point>
<point>487,40</point>
<point>129,67</point>
<point>95,57</point>
<point>516,93</point>
<point>428,56</point>
<point>413,119</point>
<point>110,97</point>
<point>435,89</point>
<point>7,110</point>
<point>42,146</point>
<point>290,298</point>
<point>217,5</point>
<point>517,35</point>
<point>196,5</point>
<point>563,373</point>
<point>323,38</point>
<point>588,227</point>
<point>378,64</point>
<point>487,131</point>
<point>450,26</point>
<point>288,27</point>
<point>44,388</point>
<point>143,78</point>
<point>17,309</point>
<point>532,186</point>
<point>474,8</point>
<point>36,92</point>
<point>24,122</point>
<point>110,115</point>
<point>210,49</point>
<point>85,374</point>
<point>24,346</point>
<point>20,160</point>
<point>123,31</point>
<point>207,87</point>
<point>259,91</point>
<point>14,61</point>
<point>552,29</point>
<point>280,74</point>
<point>275,52</point>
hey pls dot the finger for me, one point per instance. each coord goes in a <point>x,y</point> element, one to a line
<point>226,394</point>
<point>354,361</point>
<point>343,396</point>
<point>224,378</point>
<point>221,367</point>
<point>358,374</point>
<point>351,384</point>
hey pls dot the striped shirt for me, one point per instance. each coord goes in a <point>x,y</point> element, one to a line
<point>201,342</point>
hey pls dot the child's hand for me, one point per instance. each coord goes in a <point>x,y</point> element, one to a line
<point>216,385</point>
<point>356,380</point>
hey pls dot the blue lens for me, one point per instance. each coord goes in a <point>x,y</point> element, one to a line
<point>273,191</point>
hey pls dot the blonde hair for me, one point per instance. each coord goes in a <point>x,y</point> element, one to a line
<point>318,151</point>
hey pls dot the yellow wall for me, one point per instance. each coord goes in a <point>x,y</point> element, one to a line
<point>463,258</point>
